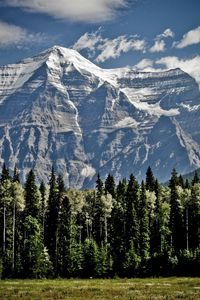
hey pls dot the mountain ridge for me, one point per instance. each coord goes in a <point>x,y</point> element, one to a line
<point>60,109</point>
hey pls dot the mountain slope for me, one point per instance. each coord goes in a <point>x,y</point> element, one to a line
<point>60,109</point>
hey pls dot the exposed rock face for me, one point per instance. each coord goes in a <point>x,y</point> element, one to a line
<point>60,109</point>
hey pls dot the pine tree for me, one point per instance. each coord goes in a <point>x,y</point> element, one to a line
<point>181,181</point>
<point>98,223</point>
<point>90,261</point>
<point>187,184</point>
<point>33,247</point>
<point>64,238</point>
<point>150,180</point>
<point>43,196</point>
<point>132,222</point>
<point>155,234</point>
<point>5,173</point>
<point>176,218</point>
<point>16,175</point>
<point>118,228</point>
<point>32,196</point>
<point>195,178</point>
<point>52,222</point>
<point>110,186</point>
<point>132,262</point>
<point>144,226</point>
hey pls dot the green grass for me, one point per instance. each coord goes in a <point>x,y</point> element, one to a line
<point>122,289</point>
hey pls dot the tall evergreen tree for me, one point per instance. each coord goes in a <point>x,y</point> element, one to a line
<point>52,222</point>
<point>43,204</point>
<point>98,222</point>
<point>118,228</point>
<point>132,221</point>
<point>64,238</point>
<point>176,218</point>
<point>33,247</point>
<point>195,178</point>
<point>155,229</point>
<point>16,175</point>
<point>110,186</point>
<point>32,197</point>
<point>5,173</point>
<point>150,180</point>
<point>144,226</point>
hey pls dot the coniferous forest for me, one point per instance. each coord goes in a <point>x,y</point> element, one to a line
<point>125,229</point>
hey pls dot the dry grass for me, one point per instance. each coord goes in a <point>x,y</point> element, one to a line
<point>122,289</point>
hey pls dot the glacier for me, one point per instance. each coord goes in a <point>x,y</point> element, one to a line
<point>59,109</point>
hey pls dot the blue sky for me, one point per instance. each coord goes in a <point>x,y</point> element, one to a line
<point>146,34</point>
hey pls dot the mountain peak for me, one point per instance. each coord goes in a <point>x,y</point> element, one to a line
<point>60,108</point>
<point>62,50</point>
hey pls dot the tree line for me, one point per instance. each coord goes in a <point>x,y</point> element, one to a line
<point>125,229</point>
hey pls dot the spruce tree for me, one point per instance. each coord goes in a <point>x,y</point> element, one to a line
<point>144,226</point>
<point>155,236</point>
<point>132,221</point>
<point>42,190</point>
<point>52,222</point>
<point>118,228</point>
<point>195,178</point>
<point>5,173</point>
<point>90,258</point>
<point>98,222</point>
<point>181,181</point>
<point>110,186</point>
<point>176,218</point>
<point>150,180</point>
<point>16,175</point>
<point>33,247</point>
<point>32,197</point>
<point>64,238</point>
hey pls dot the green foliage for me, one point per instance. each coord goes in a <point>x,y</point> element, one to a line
<point>126,230</point>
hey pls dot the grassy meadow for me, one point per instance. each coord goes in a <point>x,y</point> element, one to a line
<point>122,289</point>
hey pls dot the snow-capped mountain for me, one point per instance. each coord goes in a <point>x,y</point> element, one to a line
<point>60,109</point>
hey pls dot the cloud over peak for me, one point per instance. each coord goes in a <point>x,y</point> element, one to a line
<point>113,48</point>
<point>91,11</point>
<point>104,48</point>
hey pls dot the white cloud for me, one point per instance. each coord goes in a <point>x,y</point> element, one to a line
<point>167,33</point>
<point>144,64</point>
<point>89,41</point>
<point>106,48</point>
<point>189,38</point>
<point>115,47</point>
<point>159,46</point>
<point>78,10</point>
<point>190,66</point>
<point>11,35</point>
